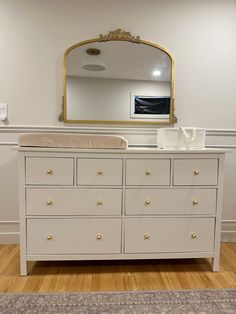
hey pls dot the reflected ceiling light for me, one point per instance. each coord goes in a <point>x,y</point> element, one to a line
<point>93,62</point>
<point>156,73</point>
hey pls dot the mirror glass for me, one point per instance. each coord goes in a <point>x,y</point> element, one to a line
<point>118,81</point>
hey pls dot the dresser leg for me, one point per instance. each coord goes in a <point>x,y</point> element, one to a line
<point>215,264</point>
<point>23,267</point>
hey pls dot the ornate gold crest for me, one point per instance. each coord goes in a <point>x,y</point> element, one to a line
<point>119,34</point>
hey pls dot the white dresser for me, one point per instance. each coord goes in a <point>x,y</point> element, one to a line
<point>120,204</point>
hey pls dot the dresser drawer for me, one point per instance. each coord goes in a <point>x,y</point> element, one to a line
<point>153,235</point>
<point>49,171</point>
<point>103,171</point>
<point>147,171</point>
<point>170,201</point>
<point>73,236</point>
<point>70,201</point>
<point>195,172</point>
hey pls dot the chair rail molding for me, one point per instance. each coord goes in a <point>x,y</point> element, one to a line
<point>135,136</point>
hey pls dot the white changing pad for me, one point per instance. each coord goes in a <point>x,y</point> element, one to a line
<point>72,140</point>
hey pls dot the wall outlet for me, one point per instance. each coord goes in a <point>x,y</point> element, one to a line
<point>3,111</point>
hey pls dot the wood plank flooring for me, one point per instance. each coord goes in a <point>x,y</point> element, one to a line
<point>116,275</point>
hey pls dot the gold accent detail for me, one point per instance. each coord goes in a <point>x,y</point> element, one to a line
<point>49,171</point>
<point>147,202</point>
<point>93,51</point>
<point>99,172</point>
<point>146,236</point>
<point>119,34</point>
<point>148,172</point>
<point>195,202</point>
<point>99,202</point>
<point>49,202</point>
<point>98,237</point>
<point>193,236</point>
<point>61,116</point>
<point>196,172</point>
<point>49,237</point>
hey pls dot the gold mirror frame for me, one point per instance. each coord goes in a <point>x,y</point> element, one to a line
<point>118,35</point>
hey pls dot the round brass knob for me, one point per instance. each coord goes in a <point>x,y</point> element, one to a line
<point>147,202</point>
<point>146,236</point>
<point>193,236</point>
<point>99,202</point>
<point>99,172</point>
<point>195,172</point>
<point>99,237</point>
<point>49,171</point>
<point>49,237</point>
<point>49,202</point>
<point>195,202</point>
<point>148,172</point>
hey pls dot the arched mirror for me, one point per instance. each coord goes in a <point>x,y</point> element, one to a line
<point>118,78</point>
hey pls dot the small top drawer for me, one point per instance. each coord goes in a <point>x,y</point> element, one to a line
<point>195,172</point>
<point>49,171</point>
<point>99,171</point>
<point>147,171</point>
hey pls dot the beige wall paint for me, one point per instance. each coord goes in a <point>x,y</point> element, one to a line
<point>200,35</point>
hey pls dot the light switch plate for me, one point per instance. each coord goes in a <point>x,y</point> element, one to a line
<point>3,111</point>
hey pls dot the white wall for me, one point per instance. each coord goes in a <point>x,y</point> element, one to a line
<point>200,34</point>
<point>35,33</point>
<point>110,98</point>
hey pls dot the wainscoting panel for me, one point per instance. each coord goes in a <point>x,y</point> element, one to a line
<point>9,218</point>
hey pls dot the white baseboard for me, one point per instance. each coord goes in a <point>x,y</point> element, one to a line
<point>9,232</point>
<point>9,238</point>
<point>228,231</point>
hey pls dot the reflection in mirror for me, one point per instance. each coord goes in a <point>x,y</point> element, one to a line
<point>118,81</point>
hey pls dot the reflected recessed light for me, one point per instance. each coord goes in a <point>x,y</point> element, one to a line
<point>156,73</point>
<point>93,62</point>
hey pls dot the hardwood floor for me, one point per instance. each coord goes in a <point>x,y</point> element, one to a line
<point>116,275</point>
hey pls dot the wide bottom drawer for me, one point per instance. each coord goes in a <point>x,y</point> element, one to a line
<point>73,236</point>
<point>153,235</point>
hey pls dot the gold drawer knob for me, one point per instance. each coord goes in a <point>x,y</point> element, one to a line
<point>146,236</point>
<point>196,172</point>
<point>99,237</point>
<point>49,171</point>
<point>148,172</point>
<point>193,236</point>
<point>49,202</point>
<point>99,172</point>
<point>147,202</point>
<point>195,202</point>
<point>49,237</point>
<point>99,202</point>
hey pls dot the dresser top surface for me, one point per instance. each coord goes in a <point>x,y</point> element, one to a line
<point>129,150</point>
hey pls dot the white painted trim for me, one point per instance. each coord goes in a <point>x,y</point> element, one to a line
<point>131,130</point>
<point>9,238</point>
<point>136,136</point>
<point>9,232</point>
<point>8,144</point>
<point>228,233</point>
<point>72,129</point>
<point>221,146</point>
